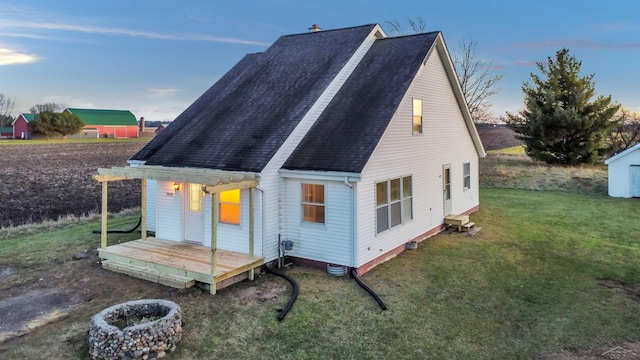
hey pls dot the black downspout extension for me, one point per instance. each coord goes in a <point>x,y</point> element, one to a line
<point>294,292</point>
<point>121,231</point>
<point>354,273</point>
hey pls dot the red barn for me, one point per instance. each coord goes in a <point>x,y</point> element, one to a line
<point>21,126</point>
<point>109,123</point>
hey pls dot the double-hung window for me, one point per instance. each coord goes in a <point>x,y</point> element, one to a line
<point>313,203</point>
<point>394,203</point>
<point>417,116</point>
<point>466,170</point>
<point>230,207</point>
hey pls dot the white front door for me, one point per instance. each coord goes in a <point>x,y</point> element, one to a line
<point>193,214</point>
<point>446,188</point>
<point>634,170</point>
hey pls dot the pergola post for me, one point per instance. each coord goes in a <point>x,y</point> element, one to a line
<point>103,229</point>
<point>251,229</point>
<point>214,239</point>
<point>143,210</point>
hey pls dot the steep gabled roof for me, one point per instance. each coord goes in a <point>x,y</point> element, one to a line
<point>622,154</point>
<point>347,132</point>
<point>27,117</point>
<point>105,117</point>
<point>243,119</point>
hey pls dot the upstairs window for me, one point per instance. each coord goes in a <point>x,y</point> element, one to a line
<point>466,170</point>
<point>394,203</point>
<point>313,203</point>
<point>417,116</point>
<point>230,207</point>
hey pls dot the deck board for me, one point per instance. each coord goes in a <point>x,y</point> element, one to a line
<point>173,257</point>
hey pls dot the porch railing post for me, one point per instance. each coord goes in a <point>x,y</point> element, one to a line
<point>214,239</point>
<point>103,229</point>
<point>251,229</point>
<point>143,210</point>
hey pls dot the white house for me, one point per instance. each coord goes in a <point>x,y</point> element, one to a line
<point>624,173</point>
<point>346,142</point>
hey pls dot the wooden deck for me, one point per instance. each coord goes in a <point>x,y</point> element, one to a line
<point>177,264</point>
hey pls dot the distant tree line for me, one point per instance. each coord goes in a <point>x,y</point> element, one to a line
<point>155,124</point>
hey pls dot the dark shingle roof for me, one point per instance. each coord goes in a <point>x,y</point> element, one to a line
<point>347,132</point>
<point>243,119</point>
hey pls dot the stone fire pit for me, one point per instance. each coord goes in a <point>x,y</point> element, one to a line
<point>142,329</point>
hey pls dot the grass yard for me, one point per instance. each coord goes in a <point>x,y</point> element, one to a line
<point>549,272</point>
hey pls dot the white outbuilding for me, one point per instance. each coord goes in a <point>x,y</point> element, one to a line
<point>624,173</point>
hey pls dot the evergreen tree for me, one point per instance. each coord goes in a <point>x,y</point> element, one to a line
<point>51,123</point>
<point>560,123</point>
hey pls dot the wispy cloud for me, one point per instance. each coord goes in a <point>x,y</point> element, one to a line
<point>23,25</point>
<point>525,63</point>
<point>576,43</point>
<point>11,57</point>
<point>161,92</point>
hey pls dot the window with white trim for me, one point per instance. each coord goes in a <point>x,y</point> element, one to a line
<point>229,202</point>
<point>466,171</point>
<point>313,203</point>
<point>394,203</point>
<point>417,116</point>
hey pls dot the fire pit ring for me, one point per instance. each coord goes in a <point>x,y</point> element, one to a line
<point>135,330</point>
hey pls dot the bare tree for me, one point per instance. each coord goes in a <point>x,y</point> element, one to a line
<point>626,131</point>
<point>415,26</point>
<point>36,109</point>
<point>6,108</point>
<point>479,83</point>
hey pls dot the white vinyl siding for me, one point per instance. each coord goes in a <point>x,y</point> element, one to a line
<point>328,242</point>
<point>445,140</point>
<point>152,204</point>
<point>169,226</point>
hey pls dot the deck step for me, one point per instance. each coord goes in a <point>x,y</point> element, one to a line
<point>466,227</point>
<point>456,220</point>
<point>172,280</point>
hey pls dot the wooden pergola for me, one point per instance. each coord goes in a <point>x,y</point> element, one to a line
<point>214,182</point>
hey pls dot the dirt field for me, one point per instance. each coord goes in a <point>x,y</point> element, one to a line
<point>40,182</point>
<point>497,137</point>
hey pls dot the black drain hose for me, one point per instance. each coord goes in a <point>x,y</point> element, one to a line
<point>354,273</point>
<point>121,231</point>
<point>294,292</point>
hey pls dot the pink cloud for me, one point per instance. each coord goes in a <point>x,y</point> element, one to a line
<point>576,43</point>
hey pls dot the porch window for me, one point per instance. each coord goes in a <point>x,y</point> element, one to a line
<point>230,207</point>
<point>313,203</point>
<point>417,116</point>
<point>466,170</point>
<point>394,202</point>
<point>195,197</point>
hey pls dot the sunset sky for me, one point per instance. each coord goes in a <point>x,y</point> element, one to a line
<point>156,57</point>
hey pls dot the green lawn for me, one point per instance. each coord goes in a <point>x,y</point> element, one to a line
<point>553,270</point>
<point>529,284</point>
